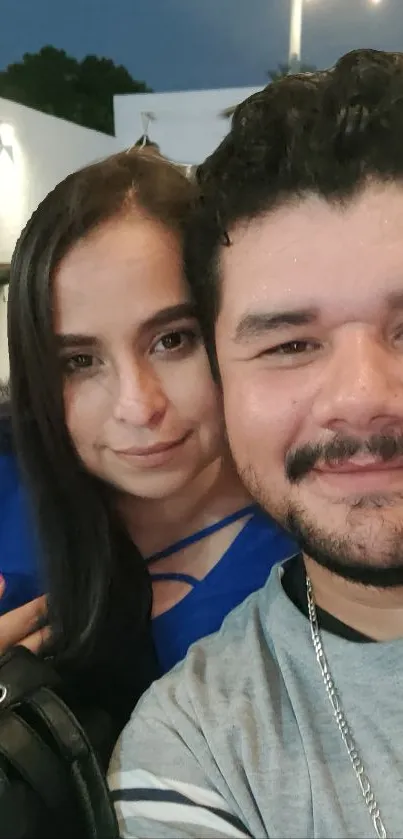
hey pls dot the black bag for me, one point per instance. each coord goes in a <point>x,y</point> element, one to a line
<point>51,784</point>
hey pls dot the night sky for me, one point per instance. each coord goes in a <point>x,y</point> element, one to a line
<point>193,44</point>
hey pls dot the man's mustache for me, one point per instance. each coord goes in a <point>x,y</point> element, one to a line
<point>303,460</point>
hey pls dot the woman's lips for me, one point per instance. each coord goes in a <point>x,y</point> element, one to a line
<point>156,455</point>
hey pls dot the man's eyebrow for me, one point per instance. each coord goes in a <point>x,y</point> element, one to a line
<point>164,317</point>
<point>256,324</point>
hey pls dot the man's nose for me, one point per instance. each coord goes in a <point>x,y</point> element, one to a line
<point>362,388</point>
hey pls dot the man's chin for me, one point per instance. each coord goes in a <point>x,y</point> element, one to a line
<point>372,576</point>
<point>325,491</point>
<point>362,551</point>
<point>376,501</point>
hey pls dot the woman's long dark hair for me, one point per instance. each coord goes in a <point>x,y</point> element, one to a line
<point>84,548</point>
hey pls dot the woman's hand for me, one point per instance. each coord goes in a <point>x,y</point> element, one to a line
<point>24,625</point>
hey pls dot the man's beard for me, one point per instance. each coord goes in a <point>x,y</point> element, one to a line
<point>351,554</point>
<point>347,556</point>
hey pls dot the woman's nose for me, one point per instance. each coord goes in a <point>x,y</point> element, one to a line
<point>140,400</point>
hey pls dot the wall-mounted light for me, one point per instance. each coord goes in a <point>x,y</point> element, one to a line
<point>7,140</point>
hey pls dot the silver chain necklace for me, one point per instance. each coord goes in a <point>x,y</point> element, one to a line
<point>342,724</point>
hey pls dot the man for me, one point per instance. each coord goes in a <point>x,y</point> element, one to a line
<point>289,721</point>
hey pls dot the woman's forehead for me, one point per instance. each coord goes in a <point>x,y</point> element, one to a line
<point>125,273</point>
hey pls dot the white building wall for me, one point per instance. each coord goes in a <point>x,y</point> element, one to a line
<point>44,149</point>
<point>187,126</point>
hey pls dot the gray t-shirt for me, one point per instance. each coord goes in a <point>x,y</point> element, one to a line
<point>240,739</point>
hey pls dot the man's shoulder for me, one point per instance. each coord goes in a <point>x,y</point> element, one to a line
<point>186,740</point>
<point>217,666</point>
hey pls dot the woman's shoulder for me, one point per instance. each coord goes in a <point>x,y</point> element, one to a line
<point>261,532</point>
<point>18,560</point>
<point>6,435</point>
<point>9,472</point>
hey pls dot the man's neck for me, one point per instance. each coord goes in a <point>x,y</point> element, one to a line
<point>376,613</point>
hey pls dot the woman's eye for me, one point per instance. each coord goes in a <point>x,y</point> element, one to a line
<point>293,348</point>
<point>175,341</point>
<point>399,334</point>
<point>81,361</point>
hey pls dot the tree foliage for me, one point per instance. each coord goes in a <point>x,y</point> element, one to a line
<point>80,91</point>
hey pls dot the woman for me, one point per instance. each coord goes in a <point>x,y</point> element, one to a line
<point>119,433</point>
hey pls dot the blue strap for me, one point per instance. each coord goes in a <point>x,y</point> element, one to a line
<point>180,578</point>
<point>201,534</point>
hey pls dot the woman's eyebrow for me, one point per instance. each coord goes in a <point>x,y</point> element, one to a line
<point>160,319</point>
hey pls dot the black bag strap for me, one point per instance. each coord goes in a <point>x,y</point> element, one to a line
<point>31,757</point>
<point>46,745</point>
<point>21,673</point>
<point>76,749</point>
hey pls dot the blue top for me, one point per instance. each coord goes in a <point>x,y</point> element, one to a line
<point>243,569</point>
<point>18,563</point>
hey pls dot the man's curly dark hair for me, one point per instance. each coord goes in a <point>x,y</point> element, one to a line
<point>324,133</point>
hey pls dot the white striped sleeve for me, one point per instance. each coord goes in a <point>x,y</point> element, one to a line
<point>176,772</point>
<point>151,807</point>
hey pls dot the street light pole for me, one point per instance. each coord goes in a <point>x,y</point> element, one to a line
<point>294,55</point>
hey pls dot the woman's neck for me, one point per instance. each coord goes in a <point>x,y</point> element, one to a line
<point>213,494</point>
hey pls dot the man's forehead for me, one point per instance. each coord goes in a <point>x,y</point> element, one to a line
<point>300,254</point>
<point>377,203</point>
